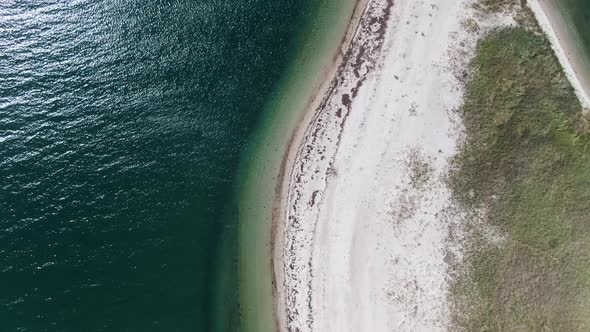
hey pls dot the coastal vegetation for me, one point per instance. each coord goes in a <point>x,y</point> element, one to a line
<point>523,176</point>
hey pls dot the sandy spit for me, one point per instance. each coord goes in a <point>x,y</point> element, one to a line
<point>362,238</point>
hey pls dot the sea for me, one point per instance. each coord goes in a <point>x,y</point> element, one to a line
<point>131,136</point>
<point>578,13</point>
<point>574,18</point>
<point>122,127</point>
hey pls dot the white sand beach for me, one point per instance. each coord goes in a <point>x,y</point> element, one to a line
<point>363,238</point>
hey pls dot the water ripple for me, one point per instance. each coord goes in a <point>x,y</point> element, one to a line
<point>121,124</point>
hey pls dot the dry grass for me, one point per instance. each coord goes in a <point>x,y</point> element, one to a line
<point>526,163</point>
<point>495,6</point>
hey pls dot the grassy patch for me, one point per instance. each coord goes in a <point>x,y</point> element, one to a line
<point>526,162</point>
<point>496,5</point>
<point>420,169</point>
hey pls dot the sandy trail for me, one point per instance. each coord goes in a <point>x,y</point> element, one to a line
<point>363,244</point>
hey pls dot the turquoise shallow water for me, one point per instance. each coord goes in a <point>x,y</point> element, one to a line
<point>121,127</point>
<point>318,47</point>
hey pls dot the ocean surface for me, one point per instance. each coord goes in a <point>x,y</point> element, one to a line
<point>576,16</point>
<point>121,128</point>
<point>578,12</point>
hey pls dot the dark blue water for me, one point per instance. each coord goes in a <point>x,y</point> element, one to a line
<point>121,123</point>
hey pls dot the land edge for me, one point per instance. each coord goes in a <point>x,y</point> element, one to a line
<point>330,75</point>
<point>561,45</point>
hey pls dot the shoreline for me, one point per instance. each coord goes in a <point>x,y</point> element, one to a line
<point>295,138</point>
<point>362,235</point>
<point>349,48</point>
<point>322,90</point>
<point>262,161</point>
<point>327,84</point>
<point>552,23</point>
